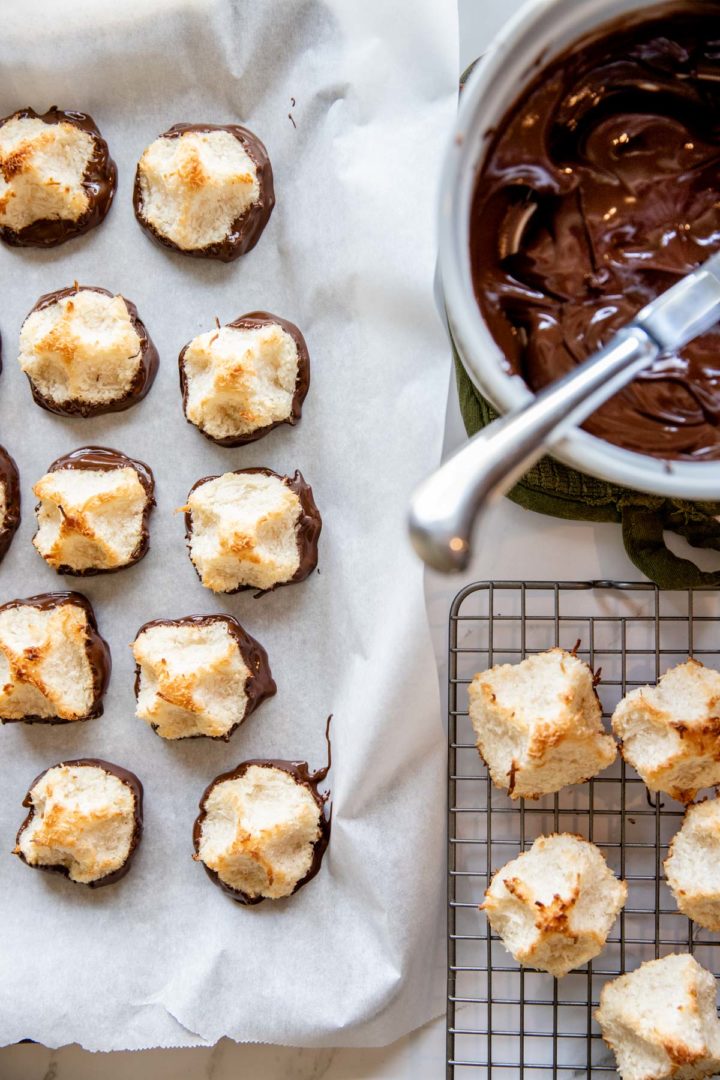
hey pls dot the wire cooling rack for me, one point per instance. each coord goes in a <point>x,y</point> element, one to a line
<point>502,1020</point>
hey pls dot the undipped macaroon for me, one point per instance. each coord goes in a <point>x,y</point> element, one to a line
<point>252,529</point>
<point>661,1020</point>
<point>199,675</point>
<point>692,866</point>
<point>9,500</point>
<point>262,830</point>
<point>539,724</point>
<point>84,821</point>
<point>54,665</point>
<point>205,190</point>
<point>86,352</point>
<point>241,380</point>
<point>57,178</point>
<point>554,905</point>
<point>670,733</point>
<point>93,511</point>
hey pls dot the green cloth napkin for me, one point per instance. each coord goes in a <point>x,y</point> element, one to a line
<point>552,488</point>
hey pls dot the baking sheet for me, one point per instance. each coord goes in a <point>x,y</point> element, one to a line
<point>163,958</point>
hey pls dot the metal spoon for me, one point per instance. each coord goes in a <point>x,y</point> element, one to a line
<point>444,508</point>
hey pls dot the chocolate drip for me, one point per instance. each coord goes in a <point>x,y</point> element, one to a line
<point>252,321</point>
<point>246,230</point>
<point>96,649</point>
<point>128,778</point>
<point>300,772</point>
<point>308,527</point>
<point>260,683</point>
<point>99,181</point>
<point>600,189</point>
<point>144,377</point>
<point>10,481</point>
<point>104,459</point>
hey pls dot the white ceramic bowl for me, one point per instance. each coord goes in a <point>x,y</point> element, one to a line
<point>539,31</point>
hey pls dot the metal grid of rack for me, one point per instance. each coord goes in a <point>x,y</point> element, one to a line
<point>502,1020</point>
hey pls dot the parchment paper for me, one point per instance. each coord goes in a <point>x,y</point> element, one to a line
<point>164,958</point>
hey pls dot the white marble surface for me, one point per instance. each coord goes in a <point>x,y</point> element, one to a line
<point>515,544</point>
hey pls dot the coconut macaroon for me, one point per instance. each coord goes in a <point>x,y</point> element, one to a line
<point>54,665</point>
<point>205,190</point>
<point>241,380</point>
<point>199,675</point>
<point>262,830</point>
<point>57,178</point>
<point>554,905</point>
<point>93,511</point>
<point>9,500</point>
<point>85,821</point>
<point>692,866</point>
<point>539,724</point>
<point>661,1020</point>
<point>86,352</point>
<point>670,733</point>
<point>252,529</point>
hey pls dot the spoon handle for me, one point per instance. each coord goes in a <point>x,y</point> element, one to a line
<point>445,506</point>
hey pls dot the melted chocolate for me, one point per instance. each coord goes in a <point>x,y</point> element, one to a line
<point>308,527</point>
<point>300,772</point>
<point>96,648</point>
<point>302,383</point>
<point>260,683</point>
<point>10,481</point>
<point>601,189</point>
<point>144,377</point>
<point>135,786</point>
<point>103,459</point>
<point>99,181</point>
<point>246,230</point>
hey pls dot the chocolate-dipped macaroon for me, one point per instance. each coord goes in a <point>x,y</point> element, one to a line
<point>9,500</point>
<point>84,821</point>
<point>57,179</point>
<point>54,665</point>
<point>201,675</point>
<point>252,529</point>
<point>205,190</point>
<point>262,830</point>
<point>86,352</point>
<point>241,380</point>
<point>93,511</point>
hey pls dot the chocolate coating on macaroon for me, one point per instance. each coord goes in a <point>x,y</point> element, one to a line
<point>307,528</point>
<point>300,773</point>
<point>259,683</point>
<point>99,182</point>
<point>104,459</point>
<point>245,231</point>
<point>252,321</point>
<point>10,483</point>
<point>96,648</point>
<point>142,381</point>
<point>130,780</point>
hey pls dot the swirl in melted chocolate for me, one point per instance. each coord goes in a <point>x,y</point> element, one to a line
<point>600,189</point>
